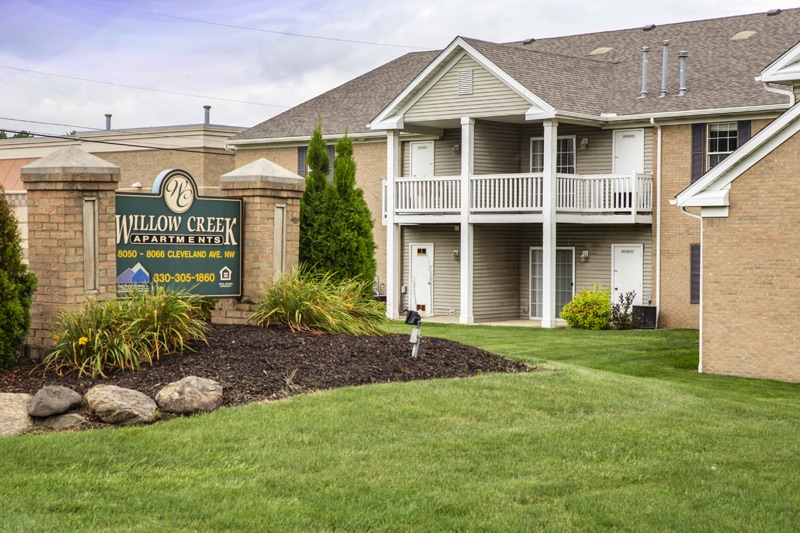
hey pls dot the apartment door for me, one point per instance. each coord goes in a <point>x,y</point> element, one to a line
<point>565,280</point>
<point>626,270</point>
<point>421,158</point>
<point>628,151</point>
<point>420,297</point>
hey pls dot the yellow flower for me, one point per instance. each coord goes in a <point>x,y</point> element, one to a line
<point>56,337</point>
<point>83,340</point>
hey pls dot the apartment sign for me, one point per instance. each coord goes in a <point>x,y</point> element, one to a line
<point>176,238</point>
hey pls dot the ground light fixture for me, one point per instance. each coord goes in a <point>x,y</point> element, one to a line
<point>414,319</point>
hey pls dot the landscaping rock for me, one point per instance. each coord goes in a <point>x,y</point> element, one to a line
<point>190,395</point>
<point>14,419</point>
<point>115,405</point>
<point>53,400</point>
<point>63,422</point>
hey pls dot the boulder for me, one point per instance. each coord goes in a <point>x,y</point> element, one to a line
<point>53,400</point>
<point>190,395</point>
<point>63,422</point>
<point>14,419</point>
<point>115,405</point>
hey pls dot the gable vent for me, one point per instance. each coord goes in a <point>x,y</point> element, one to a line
<point>465,82</point>
<point>742,35</point>
<point>600,51</point>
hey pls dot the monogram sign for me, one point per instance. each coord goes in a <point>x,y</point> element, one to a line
<point>177,238</point>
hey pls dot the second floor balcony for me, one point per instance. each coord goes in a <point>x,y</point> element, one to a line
<point>606,198</point>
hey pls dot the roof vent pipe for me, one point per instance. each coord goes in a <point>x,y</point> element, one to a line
<point>208,114</point>
<point>664,70</point>
<point>645,50</point>
<point>108,121</point>
<point>682,57</point>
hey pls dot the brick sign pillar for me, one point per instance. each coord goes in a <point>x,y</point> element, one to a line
<point>71,242</point>
<point>271,231</point>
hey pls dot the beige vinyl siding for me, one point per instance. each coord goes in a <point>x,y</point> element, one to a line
<point>446,271</point>
<point>445,162</point>
<point>496,149</point>
<point>495,273</point>
<point>597,239</point>
<point>490,97</point>
<point>597,158</point>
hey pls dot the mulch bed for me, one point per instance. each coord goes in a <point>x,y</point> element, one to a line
<point>257,364</point>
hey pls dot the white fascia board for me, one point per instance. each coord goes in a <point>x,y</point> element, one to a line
<point>537,113</point>
<point>390,109</point>
<point>294,141</point>
<point>718,198</point>
<point>392,123</point>
<point>785,68</point>
<point>747,155</point>
<point>508,80</point>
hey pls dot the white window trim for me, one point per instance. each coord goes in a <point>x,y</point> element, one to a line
<point>560,137</point>
<point>707,147</point>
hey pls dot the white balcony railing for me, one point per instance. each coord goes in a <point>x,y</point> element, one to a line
<point>522,193</point>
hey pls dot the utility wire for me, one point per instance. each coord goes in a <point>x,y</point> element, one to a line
<point>130,145</point>
<point>140,88</point>
<point>290,34</point>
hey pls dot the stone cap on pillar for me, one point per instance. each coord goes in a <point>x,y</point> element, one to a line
<point>263,173</point>
<point>70,160</point>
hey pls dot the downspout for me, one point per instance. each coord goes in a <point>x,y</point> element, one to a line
<point>658,220</point>
<point>785,92</point>
<point>702,251</point>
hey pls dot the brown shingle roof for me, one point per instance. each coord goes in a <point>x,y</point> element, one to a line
<point>562,71</point>
<point>353,104</point>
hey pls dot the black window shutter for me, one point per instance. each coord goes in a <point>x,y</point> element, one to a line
<point>301,160</point>
<point>742,132</point>
<point>698,152</point>
<point>695,274</point>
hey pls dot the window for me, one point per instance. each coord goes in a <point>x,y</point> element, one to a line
<point>722,140</point>
<point>711,143</point>
<point>565,280</point>
<point>302,167</point>
<point>565,155</point>
<point>694,275</point>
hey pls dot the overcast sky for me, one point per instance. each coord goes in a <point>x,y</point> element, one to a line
<point>252,59</point>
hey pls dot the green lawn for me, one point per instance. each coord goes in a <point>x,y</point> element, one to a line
<point>620,432</point>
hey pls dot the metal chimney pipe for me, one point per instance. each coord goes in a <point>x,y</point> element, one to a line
<point>108,121</point>
<point>645,50</point>
<point>664,70</point>
<point>208,114</point>
<point>682,56</point>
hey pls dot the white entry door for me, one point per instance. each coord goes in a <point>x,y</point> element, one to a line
<point>420,298</point>
<point>626,271</point>
<point>421,159</point>
<point>628,151</point>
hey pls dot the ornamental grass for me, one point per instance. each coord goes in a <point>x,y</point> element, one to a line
<point>122,334</point>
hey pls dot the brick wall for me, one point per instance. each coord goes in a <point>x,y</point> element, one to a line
<point>751,274</point>
<point>143,166</point>
<point>370,161</point>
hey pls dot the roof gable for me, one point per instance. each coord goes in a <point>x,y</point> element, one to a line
<point>785,68</point>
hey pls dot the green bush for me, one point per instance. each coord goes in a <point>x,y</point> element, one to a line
<point>122,334</point>
<point>621,315</point>
<point>305,300</point>
<point>17,285</point>
<point>589,309</point>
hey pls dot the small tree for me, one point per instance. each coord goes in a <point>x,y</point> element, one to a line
<point>350,244</point>
<point>312,203</point>
<point>17,284</point>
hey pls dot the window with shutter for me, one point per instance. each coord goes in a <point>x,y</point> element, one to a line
<point>695,274</point>
<point>302,166</point>
<point>711,143</point>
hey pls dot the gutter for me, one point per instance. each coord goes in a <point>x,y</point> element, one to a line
<point>785,92</point>
<point>702,251</point>
<point>658,221</point>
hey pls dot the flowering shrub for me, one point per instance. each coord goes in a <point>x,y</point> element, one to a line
<point>589,309</point>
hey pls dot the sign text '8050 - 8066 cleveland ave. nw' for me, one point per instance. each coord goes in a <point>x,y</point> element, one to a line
<point>176,238</point>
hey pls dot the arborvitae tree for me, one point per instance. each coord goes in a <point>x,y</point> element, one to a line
<point>312,203</point>
<point>349,239</point>
<point>17,284</point>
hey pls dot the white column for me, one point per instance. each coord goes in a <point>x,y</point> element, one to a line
<point>549,225</point>
<point>392,229</point>
<point>466,252</point>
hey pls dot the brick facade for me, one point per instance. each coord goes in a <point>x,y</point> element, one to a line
<point>370,161</point>
<point>143,166</point>
<point>751,273</point>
